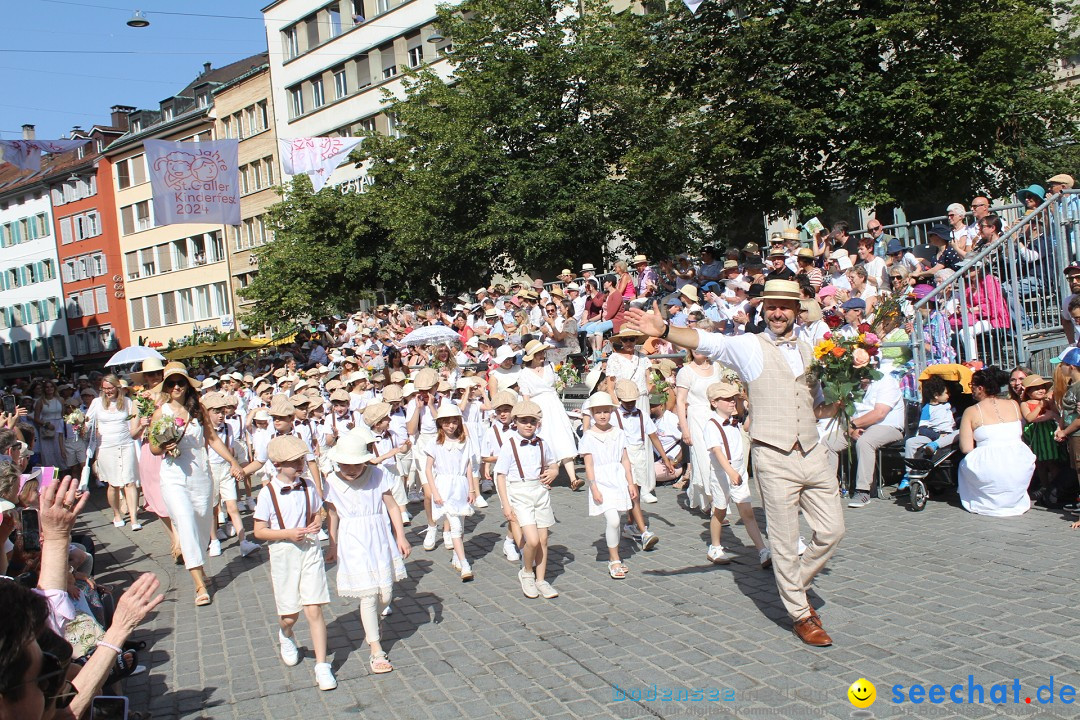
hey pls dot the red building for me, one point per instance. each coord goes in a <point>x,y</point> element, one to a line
<point>88,244</point>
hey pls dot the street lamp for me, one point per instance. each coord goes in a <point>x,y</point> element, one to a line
<point>138,20</point>
<point>435,37</point>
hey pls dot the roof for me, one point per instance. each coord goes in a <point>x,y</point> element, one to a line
<point>227,73</point>
<point>54,166</point>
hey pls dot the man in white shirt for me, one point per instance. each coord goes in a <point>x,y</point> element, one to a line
<point>575,296</point>
<point>878,420</point>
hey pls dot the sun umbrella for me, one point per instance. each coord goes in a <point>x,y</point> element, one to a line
<point>133,354</point>
<point>431,335</point>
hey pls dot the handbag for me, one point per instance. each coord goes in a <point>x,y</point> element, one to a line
<point>91,451</point>
<point>48,432</point>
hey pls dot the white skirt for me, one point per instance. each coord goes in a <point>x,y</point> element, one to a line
<point>117,466</point>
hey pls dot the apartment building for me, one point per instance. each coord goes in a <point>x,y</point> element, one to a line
<point>33,331</point>
<point>176,276</point>
<point>88,244</point>
<point>331,61</point>
<point>244,110</point>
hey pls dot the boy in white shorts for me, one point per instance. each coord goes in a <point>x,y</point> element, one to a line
<point>523,475</point>
<point>287,517</point>
<point>728,480</point>
<point>498,431</point>
<point>223,481</point>
<point>640,432</point>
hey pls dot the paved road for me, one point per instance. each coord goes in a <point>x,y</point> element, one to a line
<point>925,597</point>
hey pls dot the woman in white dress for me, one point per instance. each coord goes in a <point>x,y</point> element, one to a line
<point>693,408</point>
<point>537,383</point>
<point>998,465</point>
<point>186,486</point>
<point>115,459</point>
<point>360,500</point>
<point>611,481</point>
<point>49,420</point>
<point>506,373</point>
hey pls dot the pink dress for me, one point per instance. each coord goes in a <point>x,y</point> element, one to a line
<point>150,479</point>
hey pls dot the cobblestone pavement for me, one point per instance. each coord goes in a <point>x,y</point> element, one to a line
<point>929,597</point>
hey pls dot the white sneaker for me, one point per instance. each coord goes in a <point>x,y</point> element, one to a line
<point>447,541</point>
<point>648,497</point>
<point>486,486</point>
<point>229,529</point>
<point>718,555</point>
<point>388,611</point>
<point>324,676</point>
<point>765,558</point>
<point>406,518</point>
<point>119,523</point>
<point>630,532</point>
<point>466,572</point>
<point>290,654</point>
<point>136,525</point>
<point>649,539</point>
<point>510,550</point>
<point>431,537</point>
<point>215,548</point>
<point>220,534</point>
<point>802,545</point>
<point>323,535</point>
<point>454,563</point>
<point>247,547</point>
<point>480,502</point>
<point>222,518</point>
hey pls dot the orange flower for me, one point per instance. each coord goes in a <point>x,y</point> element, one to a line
<point>838,352</point>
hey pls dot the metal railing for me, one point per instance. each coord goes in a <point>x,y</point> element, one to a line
<point>1003,305</point>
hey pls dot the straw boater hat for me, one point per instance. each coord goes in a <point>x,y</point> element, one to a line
<point>150,364</point>
<point>721,390</point>
<point>527,408</point>
<point>639,260</point>
<point>352,448</point>
<point>286,448</point>
<point>782,290</point>
<point>176,368</point>
<point>789,234</point>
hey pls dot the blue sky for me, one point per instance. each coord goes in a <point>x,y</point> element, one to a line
<point>57,90</point>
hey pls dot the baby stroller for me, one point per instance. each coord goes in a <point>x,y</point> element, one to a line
<point>939,469</point>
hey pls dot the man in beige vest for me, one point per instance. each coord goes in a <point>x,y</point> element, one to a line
<point>789,463</point>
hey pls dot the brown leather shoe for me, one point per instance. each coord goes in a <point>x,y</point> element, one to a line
<point>809,630</point>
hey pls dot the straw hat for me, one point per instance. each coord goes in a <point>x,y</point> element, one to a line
<point>782,290</point>
<point>721,390</point>
<point>689,291</point>
<point>639,260</point>
<point>285,448</point>
<point>600,399</point>
<point>173,369</point>
<point>629,334</point>
<point>533,347</point>
<point>1036,381</point>
<point>352,448</point>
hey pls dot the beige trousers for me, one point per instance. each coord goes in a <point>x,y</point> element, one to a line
<point>791,481</point>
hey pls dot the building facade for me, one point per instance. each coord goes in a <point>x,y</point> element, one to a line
<point>33,329</point>
<point>176,277</point>
<point>88,245</point>
<point>331,61</point>
<point>245,111</point>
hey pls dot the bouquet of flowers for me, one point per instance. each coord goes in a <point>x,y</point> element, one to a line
<point>888,314</point>
<point>166,430</point>
<point>144,406</point>
<point>841,364</point>
<point>566,375</point>
<point>77,421</point>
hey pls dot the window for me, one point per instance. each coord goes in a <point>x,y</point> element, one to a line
<point>149,267</point>
<point>198,249</point>
<point>269,163</point>
<point>184,306</point>
<point>101,297</point>
<point>263,114</point>
<point>66,231</point>
<point>138,316</point>
<point>202,302</point>
<point>256,175</point>
<point>93,224</point>
<point>392,127</point>
<point>227,127</point>
<point>341,84</point>
<point>123,175</point>
<point>296,102</point>
<point>389,71</point>
<point>202,100</point>
<point>416,56</point>
<point>168,308</point>
<point>69,271</point>
<point>98,264</point>
<point>382,6</point>
<point>292,43</point>
<point>363,71</point>
<point>334,15</point>
<point>143,221</point>
<point>249,232</point>
<point>242,172</point>
<point>238,125</point>
<point>136,125</point>
<point>167,114</point>
<point>216,247</point>
<point>221,299</point>
<point>153,310</point>
<point>180,256</point>
<point>249,120</point>
<point>59,346</point>
<point>131,264</point>
<point>318,98</point>
<point>74,309</point>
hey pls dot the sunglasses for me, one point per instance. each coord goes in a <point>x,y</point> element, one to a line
<point>170,384</point>
<point>52,681</point>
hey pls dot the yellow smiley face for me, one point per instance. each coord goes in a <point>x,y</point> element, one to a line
<point>862,693</point>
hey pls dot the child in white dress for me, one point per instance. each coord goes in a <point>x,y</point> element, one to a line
<point>370,557</point>
<point>607,469</point>
<point>448,468</point>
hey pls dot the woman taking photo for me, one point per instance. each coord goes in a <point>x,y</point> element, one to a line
<point>115,459</point>
<point>185,473</point>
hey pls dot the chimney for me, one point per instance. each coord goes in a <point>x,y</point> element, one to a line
<point>206,67</point>
<point>120,115</point>
<point>28,132</point>
<point>76,132</point>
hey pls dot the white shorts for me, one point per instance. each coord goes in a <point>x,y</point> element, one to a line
<point>224,482</point>
<point>641,465</point>
<point>298,575</point>
<point>531,502</point>
<point>76,452</point>
<point>723,492</point>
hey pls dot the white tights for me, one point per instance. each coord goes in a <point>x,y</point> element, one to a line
<point>613,519</point>
<point>371,609</point>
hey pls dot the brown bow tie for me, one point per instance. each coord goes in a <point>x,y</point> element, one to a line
<point>507,427</point>
<point>289,488</point>
<point>533,441</point>
<point>632,413</point>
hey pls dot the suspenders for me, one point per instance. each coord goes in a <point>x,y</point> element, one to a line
<point>517,458</point>
<point>641,417</point>
<point>723,436</point>
<point>277,508</point>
